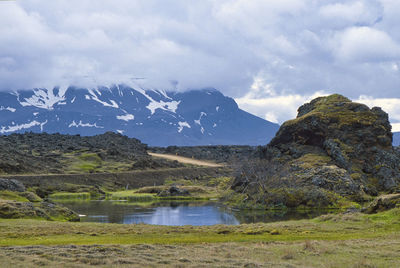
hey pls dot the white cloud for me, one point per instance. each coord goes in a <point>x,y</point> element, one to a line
<point>349,12</point>
<point>298,46</point>
<point>366,44</point>
<point>265,103</point>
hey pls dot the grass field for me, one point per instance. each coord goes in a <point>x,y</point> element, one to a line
<point>343,240</point>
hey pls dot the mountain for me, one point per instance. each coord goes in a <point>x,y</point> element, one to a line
<point>156,117</point>
<point>396,138</point>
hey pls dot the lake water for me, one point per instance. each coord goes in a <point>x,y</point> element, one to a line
<point>176,213</point>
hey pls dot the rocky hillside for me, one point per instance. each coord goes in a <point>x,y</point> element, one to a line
<point>335,150</point>
<point>57,153</point>
<point>156,117</point>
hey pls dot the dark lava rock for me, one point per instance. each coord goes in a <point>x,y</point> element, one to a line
<point>11,185</point>
<point>46,153</point>
<point>174,191</point>
<point>335,145</point>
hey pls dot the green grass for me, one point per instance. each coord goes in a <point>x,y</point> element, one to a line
<point>334,240</point>
<point>84,162</point>
<point>328,227</point>
<point>138,196</point>
<point>14,196</point>
<point>70,196</point>
<point>131,196</point>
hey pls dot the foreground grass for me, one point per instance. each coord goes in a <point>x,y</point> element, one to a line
<point>381,252</point>
<point>328,227</point>
<point>344,240</point>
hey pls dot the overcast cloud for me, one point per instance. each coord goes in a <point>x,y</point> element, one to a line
<point>269,55</point>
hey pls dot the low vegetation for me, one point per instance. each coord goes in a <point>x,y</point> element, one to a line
<point>345,240</point>
<point>70,196</point>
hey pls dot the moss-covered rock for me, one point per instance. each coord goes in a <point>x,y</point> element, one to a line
<point>41,210</point>
<point>334,145</point>
<point>383,203</point>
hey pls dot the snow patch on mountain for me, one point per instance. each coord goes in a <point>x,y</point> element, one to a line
<point>164,93</point>
<point>10,109</point>
<point>80,124</point>
<point>182,125</point>
<point>198,121</point>
<point>96,98</point>
<point>9,129</point>
<point>44,98</point>
<point>166,106</point>
<point>171,106</point>
<point>126,117</point>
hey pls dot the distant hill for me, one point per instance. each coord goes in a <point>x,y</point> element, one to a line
<point>156,117</point>
<point>43,153</point>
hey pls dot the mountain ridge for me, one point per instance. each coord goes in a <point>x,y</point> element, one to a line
<point>157,117</point>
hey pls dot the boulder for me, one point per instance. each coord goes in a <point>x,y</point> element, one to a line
<point>11,185</point>
<point>43,210</point>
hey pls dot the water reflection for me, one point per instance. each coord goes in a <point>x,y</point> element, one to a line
<point>173,213</point>
<point>182,215</point>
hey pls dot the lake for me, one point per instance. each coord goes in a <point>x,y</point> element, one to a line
<point>177,213</point>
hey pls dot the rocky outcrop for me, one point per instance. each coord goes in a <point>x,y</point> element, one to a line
<point>11,185</point>
<point>16,203</point>
<point>42,210</point>
<point>334,144</point>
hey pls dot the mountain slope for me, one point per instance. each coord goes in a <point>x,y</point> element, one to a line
<point>396,138</point>
<point>158,118</point>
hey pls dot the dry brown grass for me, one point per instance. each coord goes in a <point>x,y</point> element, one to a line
<point>382,252</point>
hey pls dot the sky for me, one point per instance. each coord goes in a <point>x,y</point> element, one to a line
<point>270,56</point>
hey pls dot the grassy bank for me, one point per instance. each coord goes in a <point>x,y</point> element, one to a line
<point>70,196</point>
<point>155,193</point>
<point>343,240</point>
<point>328,227</point>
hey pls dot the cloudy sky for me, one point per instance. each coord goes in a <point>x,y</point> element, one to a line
<point>271,56</point>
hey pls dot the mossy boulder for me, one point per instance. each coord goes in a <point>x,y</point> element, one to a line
<point>41,210</point>
<point>334,144</point>
<point>16,203</point>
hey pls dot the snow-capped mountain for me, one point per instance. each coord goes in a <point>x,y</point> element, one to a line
<point>156,117</point>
